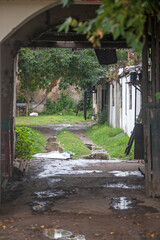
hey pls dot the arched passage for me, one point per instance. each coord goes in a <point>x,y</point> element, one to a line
<point>39,30</point>
<point>22,36</point>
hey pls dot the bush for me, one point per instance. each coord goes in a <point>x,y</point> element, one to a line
<point>64,102</point>
<point>50,107</point>
<point>28,142</point>
<point>102,117</point>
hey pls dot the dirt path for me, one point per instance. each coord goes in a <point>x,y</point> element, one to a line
<point>94,199</point>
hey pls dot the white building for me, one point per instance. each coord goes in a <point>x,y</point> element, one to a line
<point>125,100</point>
<point>121,99</point>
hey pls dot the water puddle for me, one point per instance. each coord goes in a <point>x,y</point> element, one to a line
<point>52,181</point>
<point>54,155</point>
<point>41,206</point>
<point>49,194</point>
<point>79,166</point>
<point>126,173</point>
<point>62,234</point>
<point>122,185</point>
<point>44,200</point>
<point>121,203</point>
<point>125,203</point>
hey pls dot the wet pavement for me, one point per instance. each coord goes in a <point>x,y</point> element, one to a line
<point>80,199</point>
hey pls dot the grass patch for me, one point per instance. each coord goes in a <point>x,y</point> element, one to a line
<point>70,142</point>
<point>111,139</point>
<point>29,142</point>
<point>47,119</point>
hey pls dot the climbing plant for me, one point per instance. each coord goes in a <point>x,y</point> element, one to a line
<point>122,18</point>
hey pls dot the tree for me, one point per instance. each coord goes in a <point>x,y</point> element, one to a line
<point>39,69</point>
<point>121,18</point>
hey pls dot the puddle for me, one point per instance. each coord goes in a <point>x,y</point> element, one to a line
<point>54,155</point>
<point>62,234</point>
<point>52,181</point>
<point>52,168</point>
<point>122,185</point>
<point>126,173</point>
<point>121,203</point>
<point>125,203</point>
<point>41,206</point>
<point>49,194</point>
<point>44,200</point>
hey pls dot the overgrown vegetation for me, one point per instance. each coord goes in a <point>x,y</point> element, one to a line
<point>70,142</point>
<point>29,142</point>
<point>44,119</point>
<point>111,139</point>
<point>102,117</point>
<point>40,69</point>
<point>64,103</point>
<point>120,18</point>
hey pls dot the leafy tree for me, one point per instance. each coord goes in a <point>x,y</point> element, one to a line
<point>39,69</point>
<point>122,18</point>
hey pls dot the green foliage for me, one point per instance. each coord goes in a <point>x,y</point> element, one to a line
<point>158,95</point>
<point>112,139</point>
<point>120,18</point>
<point>21,99</point>
<point>38,69</point>
<point>64,102</point>
<point>70,142</point>
<point>28,142</point>
<point>50,107</point>
<point>102,117</point>
<point>122,55</point>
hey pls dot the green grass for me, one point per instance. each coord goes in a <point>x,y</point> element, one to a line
<point>70,142</point>
<point>47,119</point>
<point>111,139</point>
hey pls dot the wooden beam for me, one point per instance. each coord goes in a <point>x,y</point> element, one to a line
<point>74,45</point>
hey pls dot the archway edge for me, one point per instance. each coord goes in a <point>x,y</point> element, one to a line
<point>47,10</point>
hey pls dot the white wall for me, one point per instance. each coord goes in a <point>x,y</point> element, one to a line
<point>121,115</point>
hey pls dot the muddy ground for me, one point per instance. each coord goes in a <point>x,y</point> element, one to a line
<point>93,199</point>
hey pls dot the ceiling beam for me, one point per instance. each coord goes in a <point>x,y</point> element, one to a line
<point>75,45</point>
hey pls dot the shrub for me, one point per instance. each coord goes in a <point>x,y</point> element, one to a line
<point>50,107</point>
<point>64,102</point>
<point>102,117</point>
<point>28,142</point>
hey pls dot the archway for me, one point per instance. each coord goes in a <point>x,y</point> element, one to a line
<point>40,31</point>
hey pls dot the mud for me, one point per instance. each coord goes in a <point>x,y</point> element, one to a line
<point>90,199</point>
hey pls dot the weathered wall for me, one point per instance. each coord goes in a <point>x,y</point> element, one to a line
<point>37,97</point>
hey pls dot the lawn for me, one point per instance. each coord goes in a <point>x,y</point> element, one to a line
<point>70,142</point>
<point>47,119</point>
<point>113,140</point>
